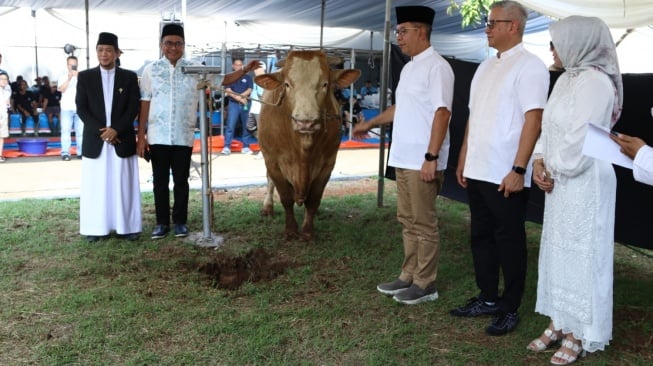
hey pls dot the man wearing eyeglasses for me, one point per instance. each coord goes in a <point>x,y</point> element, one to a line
<point>166,129</point>
<point>508,94</point>
<point>419,152</point>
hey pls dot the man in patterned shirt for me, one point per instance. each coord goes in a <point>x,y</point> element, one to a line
<point>168,115</point>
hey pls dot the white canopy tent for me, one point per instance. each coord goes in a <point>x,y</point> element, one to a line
<point>47,26</point>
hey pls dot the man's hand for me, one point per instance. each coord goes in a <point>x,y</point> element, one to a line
<point>427,173</point>
<point>511,183</point>
<point>141,146</point>
<point>109,135</point>
<point>629,145</point>
<point>252,65</point>
<point>360,129</point>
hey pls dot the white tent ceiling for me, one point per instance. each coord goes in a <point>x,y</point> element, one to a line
<point>209,23</point>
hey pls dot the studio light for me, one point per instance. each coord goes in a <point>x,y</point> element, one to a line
<point>69,49</point>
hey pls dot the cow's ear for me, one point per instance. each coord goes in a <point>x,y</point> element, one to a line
<point>268,81</point>
<point>345,77</point>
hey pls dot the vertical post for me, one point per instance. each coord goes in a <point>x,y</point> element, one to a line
<point>36,46</point>
<point>206,239</point>
<point>206,167</point>
<point>383,100</point>
<point>352,93</point>
<point>88,49</point>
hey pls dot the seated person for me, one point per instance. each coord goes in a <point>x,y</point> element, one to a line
<point>25,103</point>
<point>368,89</point>
<point>356,115</point>
<point>51,98</point>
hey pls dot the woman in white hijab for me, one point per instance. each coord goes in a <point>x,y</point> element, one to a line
<point>574,286</point>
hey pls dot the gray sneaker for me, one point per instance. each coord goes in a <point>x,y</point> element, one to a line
<point>415,295</point>
<point>393,288</point>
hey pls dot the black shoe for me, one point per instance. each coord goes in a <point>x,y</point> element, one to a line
<point>92,238</point>
<point>475,307</point>
<point>502,324</point>
<point>65,157</point>
<point>160,231</point>
<point>181,230</point>
<point>130,237</point>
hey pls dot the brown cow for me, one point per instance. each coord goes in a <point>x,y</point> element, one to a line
<point>299,133</point>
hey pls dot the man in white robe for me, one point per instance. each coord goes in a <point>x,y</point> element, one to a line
<point>108,102</point>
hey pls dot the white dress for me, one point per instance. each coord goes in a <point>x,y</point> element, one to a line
<point>576,255</point>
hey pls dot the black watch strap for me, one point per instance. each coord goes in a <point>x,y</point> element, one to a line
<point>430,157</point>
<point>519,170</point>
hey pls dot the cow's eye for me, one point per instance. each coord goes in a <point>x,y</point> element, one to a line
<point>287,85</point>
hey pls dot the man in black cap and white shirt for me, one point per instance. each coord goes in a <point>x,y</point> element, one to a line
<point>107,100</point>
<point>419,152</point>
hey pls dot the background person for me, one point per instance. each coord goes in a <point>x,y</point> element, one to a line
<point>419,153</point>
<point>238,108</point>
<point>67,85</point>
<point>508,93</point>
<point>107,99</point>
<point>5,102</point>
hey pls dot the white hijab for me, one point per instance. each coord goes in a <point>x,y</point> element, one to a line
<point>586,43</point>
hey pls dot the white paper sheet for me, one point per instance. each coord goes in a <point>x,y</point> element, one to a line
<point>599,145</point>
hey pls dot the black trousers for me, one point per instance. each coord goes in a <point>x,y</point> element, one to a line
<point>166,158</point>
<point>498,239</point>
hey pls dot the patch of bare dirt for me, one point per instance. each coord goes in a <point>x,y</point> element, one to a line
<point>230,271</point>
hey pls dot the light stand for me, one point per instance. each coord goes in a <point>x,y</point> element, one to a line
<point>205,239</point>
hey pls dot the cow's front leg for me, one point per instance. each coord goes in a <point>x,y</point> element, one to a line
<point>291,223</point>
<point>307,226</point>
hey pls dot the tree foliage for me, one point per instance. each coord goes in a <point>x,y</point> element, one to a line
<point>472,11</point>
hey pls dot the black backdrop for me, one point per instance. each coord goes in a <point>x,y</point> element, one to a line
<point>634,200</point>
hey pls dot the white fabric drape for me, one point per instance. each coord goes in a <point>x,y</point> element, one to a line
<point>616,13</point>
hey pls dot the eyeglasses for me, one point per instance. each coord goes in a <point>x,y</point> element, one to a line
<point>171,44</point>
<point>402,31</point>
<point>491,23</point>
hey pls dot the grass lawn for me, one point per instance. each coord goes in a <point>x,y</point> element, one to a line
<point>168,302</point>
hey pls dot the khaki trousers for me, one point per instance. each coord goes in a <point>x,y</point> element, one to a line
<point>417,214</point>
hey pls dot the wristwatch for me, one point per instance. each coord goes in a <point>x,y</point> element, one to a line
<point>430,157</point>
<point>519,170</point>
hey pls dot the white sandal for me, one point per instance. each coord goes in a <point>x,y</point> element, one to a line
<point>567,358</point>
<point>538,345</point>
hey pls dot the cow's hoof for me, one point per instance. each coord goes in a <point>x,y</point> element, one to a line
<point>267,212</point>
<point>306,236</point>
<point>292,235</point>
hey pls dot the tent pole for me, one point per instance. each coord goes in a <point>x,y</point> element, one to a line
<point>383,100</point>
<point>322,22</point>
<point>88,53</point>
<point>352,94</point>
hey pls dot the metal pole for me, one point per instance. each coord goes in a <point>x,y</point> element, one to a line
<point>206,239</point>
<point>322,23</point>
<point>383,100</point>
<point>36,47</point>
<point>88,50</point>
<point>352,92</point>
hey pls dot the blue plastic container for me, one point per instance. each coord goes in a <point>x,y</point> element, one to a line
<point>33,146</point>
